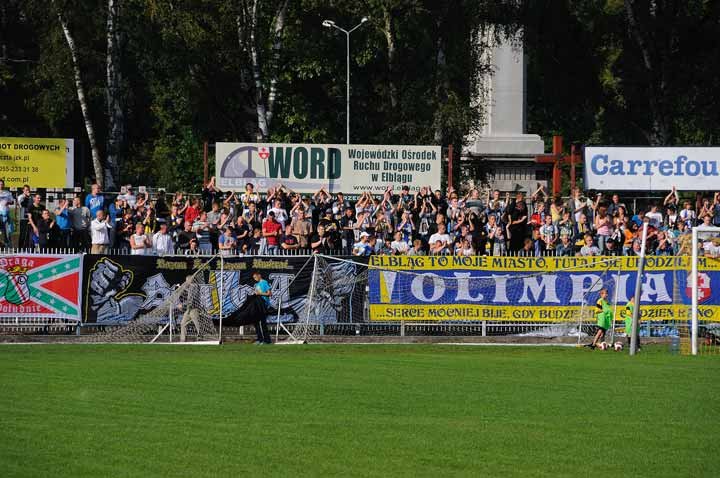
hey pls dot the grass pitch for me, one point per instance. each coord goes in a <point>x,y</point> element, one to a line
<point>352,410</point>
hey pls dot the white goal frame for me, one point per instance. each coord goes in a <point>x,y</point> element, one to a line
<point>693,282</point>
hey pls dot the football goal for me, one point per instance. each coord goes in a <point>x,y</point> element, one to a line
<point>412,298</point>
<point>704,333</point>
<point>189,315</point>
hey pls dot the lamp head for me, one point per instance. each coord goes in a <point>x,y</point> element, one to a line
<point>328,23</point>
<point>364,19</point>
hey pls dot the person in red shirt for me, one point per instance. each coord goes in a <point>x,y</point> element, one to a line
<point>271,232</point>
<point>192,211</point>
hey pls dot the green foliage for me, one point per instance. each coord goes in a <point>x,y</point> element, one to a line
<point>415,65</point>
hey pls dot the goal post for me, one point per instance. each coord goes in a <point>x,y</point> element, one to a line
<point>191,314</point>
<point>704,259</point>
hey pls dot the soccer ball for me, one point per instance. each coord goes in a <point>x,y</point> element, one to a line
<point>603,346</point>
<point>618,346</point>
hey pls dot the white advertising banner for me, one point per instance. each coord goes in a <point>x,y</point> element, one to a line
<point>305,168</point>
<point>652,168</point>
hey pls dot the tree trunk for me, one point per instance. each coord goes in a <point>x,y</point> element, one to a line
<point>263,108</point>
<point>278,27</point>
<point>116,116</point>
<point>389,30</point>
<point>82,99</point>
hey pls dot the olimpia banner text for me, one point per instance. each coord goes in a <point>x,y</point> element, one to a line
<point>551,289</point>
<point>652,168</point>
<point>39,162</point>
<point>305,168</point>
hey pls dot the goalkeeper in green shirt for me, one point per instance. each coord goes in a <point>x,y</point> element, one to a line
<point>627,314</point>
<point>604,316</point>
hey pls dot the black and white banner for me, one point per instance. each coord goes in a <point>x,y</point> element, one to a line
<point>119,288</point>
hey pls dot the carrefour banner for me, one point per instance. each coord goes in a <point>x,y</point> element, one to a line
<point>305,168</point>
<point>550,289</point>
<point>118,289</point>
<point>37,285</point>
<point>652,169</point>
<point>39,162</point>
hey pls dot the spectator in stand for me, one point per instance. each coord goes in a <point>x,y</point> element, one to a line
<point>687,215</point>
<point>655,216</point>
<point>465,248</point>
<point>347,225</point>
<point>128,197</point>
<point>615,205</point>
<point>664,246</point>
<point>210,194</point>
<point>517,223</point>
<point>549,233</point>
<point>62,219</point>
<point>6,224</point>
<point>566,248</point>
<point>611,248</point>
<point>385,248</point>
<point>581,229</point>
<point>362,248</point>
<point>95,201</point>
<point>399,246</point>
<point>192,210</point>
<point>271,231</point>
<point>139,241</point>
<point>227,243</point>
<point>289,241</point>
<point>185,237</point>
<point>441,237</point>
<point>320,241</point>
<point>80,220</point>
<point>162,243</point>
<point>124,230</point>
<point>243,231</point>
<point>416,249</point>
<point>213,220</point>
<point>99,233</point>
<point>42,228</point>
<point>24,201</point>
<point>589,249</point>
<point>602,225</point>
<point>201,228</point>
<point>249,197</point>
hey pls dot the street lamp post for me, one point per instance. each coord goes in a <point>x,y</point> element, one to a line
<point>331,24</point>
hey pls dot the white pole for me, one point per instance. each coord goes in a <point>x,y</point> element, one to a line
<point>617,290</point>
<point>221,297</point>
<point>693,284</point>
<point>347,87</point>
<point>638,293</point>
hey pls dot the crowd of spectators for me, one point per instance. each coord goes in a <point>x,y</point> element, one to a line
<point>398,222</point>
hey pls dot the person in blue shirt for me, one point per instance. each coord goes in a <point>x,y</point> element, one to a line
<point>62,220</point>
<point>262,291</point>
<point>95,201</point>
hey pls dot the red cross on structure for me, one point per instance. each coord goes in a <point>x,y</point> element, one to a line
<point>557,159</point>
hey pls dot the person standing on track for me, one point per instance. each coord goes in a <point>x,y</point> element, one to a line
<point>264,292</point>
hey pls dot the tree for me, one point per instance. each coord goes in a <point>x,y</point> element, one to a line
<point>81,96</point>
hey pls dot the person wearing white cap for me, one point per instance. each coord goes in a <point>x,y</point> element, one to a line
<point>362,248</point>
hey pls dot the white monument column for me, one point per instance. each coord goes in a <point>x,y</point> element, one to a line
<point>503,139</point>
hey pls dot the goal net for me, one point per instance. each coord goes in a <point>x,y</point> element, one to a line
<point>187,315</point>
<point>700,331</point>
<point>411,298</point>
